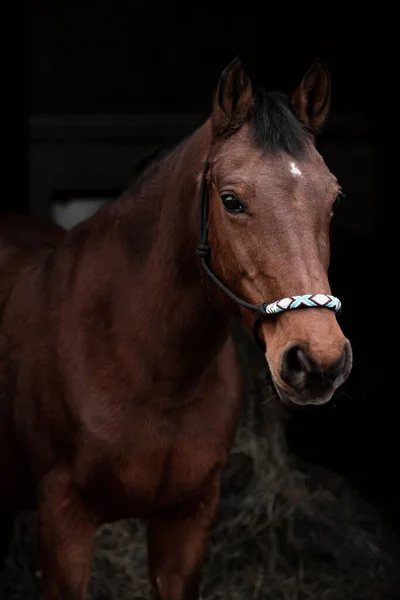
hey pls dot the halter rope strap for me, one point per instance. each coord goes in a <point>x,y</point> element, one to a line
<point>263,310</point>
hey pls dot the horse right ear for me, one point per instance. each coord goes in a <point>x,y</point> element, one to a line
<point>311,99</point>
<point>232,100</point>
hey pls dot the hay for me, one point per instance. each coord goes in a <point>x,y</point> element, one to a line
<point>285,531</point>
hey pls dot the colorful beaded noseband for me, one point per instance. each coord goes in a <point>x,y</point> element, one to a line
<point>308,300</point>
<point>263,310</point>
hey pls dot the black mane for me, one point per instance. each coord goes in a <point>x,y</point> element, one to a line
<point>147,166</point>
<point>273,125</point>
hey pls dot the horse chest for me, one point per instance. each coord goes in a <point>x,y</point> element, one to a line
<point>165,461</point>
<point>162,450</point>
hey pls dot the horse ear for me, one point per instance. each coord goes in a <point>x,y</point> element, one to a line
<point>232,100</point>
<point>311,99</point>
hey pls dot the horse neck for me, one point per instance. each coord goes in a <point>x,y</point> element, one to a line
<point>167,284</point>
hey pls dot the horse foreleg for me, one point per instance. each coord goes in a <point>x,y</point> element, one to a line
<point>66,534</point>
<point>177,544</point>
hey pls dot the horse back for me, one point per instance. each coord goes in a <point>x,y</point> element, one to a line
<point>22,233</point>
<point>21,238</point>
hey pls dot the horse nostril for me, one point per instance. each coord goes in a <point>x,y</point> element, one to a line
<point>300,371</point>
<point>296,367</point>
<point>300,360</point>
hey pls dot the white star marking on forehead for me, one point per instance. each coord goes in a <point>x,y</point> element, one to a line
<point>294,169</point>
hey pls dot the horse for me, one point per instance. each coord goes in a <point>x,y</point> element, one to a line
<point>120,386</point>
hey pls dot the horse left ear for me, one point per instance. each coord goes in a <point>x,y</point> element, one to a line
<point>233,99</point>
<point>311,99</point>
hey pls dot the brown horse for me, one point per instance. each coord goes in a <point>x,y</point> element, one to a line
<point>120,391</point>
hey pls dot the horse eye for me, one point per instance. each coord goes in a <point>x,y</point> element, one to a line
<point>338,198</point>
<point>231,203</point>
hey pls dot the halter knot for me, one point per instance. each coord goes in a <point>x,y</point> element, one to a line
<point>202,250</point>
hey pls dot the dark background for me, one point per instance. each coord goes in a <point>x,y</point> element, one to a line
<point>102,83</point>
